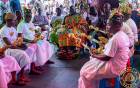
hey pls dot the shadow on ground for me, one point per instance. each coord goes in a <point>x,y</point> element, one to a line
<point>62,74</point>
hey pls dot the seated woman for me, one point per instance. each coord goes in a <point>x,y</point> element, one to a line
<point>9,39</point>
<point>8,66</point>
<point>26,29</point>
<point>112,62</point>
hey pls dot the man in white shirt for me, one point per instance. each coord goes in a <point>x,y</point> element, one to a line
<point>132,25</point>
<point>126,29</point>
<point>9,39</point>
<point>26,29</point>
<point>112,62</point>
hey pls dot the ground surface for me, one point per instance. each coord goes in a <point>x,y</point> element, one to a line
<point>62,74</point>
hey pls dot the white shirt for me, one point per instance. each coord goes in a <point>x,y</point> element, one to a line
<point>133,27</point>
<point>118,49</point>
<point>94,19</point>
<point>85,15</point>
<point>8,32</point>
<point>126,29</point>
<point>27,29</point>
<point>45,34</point>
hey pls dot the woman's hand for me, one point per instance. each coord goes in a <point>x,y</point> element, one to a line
<point>42,37</point>
<point>93,52</point>
<point>35,40</point>
<point>19,41</point>
<point>15,43</point>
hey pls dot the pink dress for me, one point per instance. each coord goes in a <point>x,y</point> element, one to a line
<point>94,70</point>
<point>8,64</point>
<point>44,51</point>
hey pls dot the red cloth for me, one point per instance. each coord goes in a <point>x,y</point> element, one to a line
<point>112,81</point>
<point>128,63</point>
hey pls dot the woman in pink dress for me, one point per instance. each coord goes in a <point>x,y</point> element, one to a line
<point>112,62</point>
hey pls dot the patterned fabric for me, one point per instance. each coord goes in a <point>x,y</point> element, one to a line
<point>73,25</point>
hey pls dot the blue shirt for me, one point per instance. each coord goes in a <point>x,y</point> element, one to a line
<point>15,5</point>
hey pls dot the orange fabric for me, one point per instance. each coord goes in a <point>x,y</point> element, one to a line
<point>74,23</point>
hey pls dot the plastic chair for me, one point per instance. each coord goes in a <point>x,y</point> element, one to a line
<point>106,83</point>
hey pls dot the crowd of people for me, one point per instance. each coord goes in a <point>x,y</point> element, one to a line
<point>27,41</point>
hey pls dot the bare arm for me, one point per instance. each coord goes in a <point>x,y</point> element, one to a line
<point>25,40</point>
<point>8,43</point>
<point>6,40</point>
<point>102,57</point>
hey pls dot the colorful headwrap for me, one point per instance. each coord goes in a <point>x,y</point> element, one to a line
<point>117,18</point>
<point>125,9</point>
